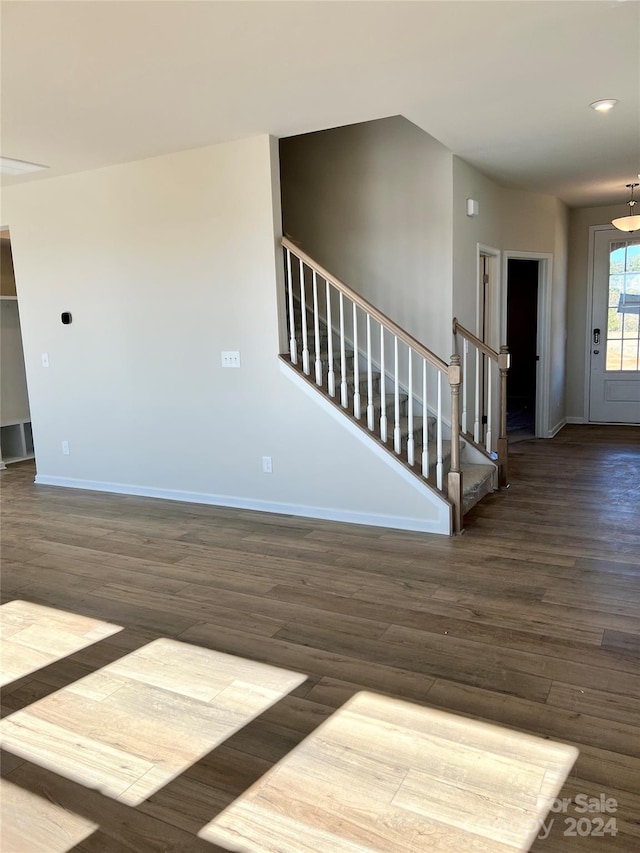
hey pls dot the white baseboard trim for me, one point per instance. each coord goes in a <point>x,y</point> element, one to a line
<point>325,513</point>
<point>572,420</point>
<point>556,429</point>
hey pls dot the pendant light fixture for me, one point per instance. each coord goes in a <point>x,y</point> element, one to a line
<point>630,222</point>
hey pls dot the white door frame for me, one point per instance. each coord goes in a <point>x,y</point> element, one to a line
<point>494,280</point>
<point>543,344</point>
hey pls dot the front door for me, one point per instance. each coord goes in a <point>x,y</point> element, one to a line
<point>615,336</point>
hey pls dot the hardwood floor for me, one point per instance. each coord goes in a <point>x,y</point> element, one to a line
<point>531,620</point>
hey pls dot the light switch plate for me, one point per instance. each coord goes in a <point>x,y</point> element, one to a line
<point>230,358</point>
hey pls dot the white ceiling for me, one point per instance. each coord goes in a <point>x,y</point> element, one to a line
<point>506,85</point>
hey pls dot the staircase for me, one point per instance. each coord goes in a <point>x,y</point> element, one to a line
<point>404,396</point>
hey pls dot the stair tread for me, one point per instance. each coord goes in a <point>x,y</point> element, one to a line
<point>477,478</point>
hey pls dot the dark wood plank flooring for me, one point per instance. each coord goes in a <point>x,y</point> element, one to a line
<point>531,620</point>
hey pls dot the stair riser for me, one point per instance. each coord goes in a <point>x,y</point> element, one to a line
<point>363,383</point>
<point>364,396</point>
<point>475,489</point>
<point>389,406</point>
<point>417,441</point>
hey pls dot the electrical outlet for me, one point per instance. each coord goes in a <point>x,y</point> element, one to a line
<point>266,465</point>
<point>230,359</point>
<point>45,359</point>
<point>65,448</point>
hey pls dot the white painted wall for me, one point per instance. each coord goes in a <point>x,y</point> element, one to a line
<point>383,206</point>
<point>580,221</point>
<point>372,203</point>
<point>512,221</point>
<point>469,231</point>
<point>164,263</point>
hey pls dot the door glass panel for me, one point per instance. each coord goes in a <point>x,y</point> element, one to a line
<point>623,328</point>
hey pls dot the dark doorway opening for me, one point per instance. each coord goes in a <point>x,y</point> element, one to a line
<point>522,340</point>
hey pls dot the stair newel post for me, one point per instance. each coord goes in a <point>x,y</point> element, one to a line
<point>454,479</point>
<point>356,365</point>
<point>410,439</point>
<point>370,411</point>
<point>293,347</point>
<point>396,399</point>
<point>305,332</point>
<point>383,390</point>
<point>503,442</point>
<point>476,417</point>
<point>465,353</point>
<point>489,415</point>
<point>344,394</point>
<point>331,375</point>
<point>316,330</point>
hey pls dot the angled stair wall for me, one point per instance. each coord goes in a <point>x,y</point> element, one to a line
<point>404,396</point>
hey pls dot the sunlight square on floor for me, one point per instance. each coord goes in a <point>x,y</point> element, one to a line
<point>33,636</point>
<point>132,726</point>
<point>31,823</point>
<point>384,774</point>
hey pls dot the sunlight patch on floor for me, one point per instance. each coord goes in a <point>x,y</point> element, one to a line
<point>33,636</point>
<point>31,823</point>
<point>134,725</point>
<point>385,774</point>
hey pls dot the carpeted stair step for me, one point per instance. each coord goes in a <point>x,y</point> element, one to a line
<point>477,481</point>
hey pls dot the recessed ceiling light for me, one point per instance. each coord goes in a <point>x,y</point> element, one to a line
<point>18,167</point>
<point>604,106</point>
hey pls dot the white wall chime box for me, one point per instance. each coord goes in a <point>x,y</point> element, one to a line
<point>473,207</point>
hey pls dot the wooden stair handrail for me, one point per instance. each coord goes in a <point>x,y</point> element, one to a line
<point>485,348</point>
<point>370,309</point>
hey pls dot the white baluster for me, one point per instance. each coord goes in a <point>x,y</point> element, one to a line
<point>489,439</point>
<point>383,390</point>
<point>316,329</point>
<point>410,440</point>
<point>465,351</point>
<point>344,393</point>
<point>370,410</point>
<point>439,456</point>
<point>356,366</point>
<point>293,346</point>
<point>425,422</point>
<point>305,333</point>
<point>397,443</point>
<point>476,419</point>
<point>331,376</point>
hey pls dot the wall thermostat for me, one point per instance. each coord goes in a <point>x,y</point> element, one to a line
<point>66,318</point>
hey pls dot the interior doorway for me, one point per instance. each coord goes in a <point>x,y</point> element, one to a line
<point>16,438</point>
<point>523,277</point>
